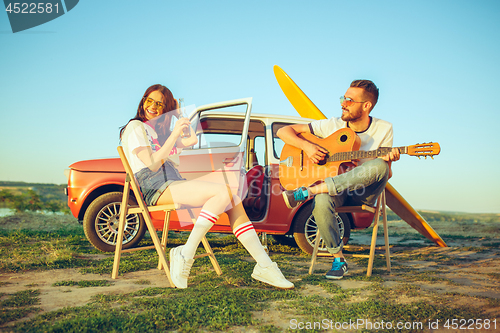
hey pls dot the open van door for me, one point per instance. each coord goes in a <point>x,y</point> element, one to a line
<point>219,155</point>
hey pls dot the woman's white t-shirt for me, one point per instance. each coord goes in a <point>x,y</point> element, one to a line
<point>138,134</point>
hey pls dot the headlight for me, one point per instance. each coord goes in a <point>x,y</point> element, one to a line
<point>66,173</point>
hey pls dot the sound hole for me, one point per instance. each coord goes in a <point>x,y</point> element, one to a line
<point>324,160</point>
<point>343,138</point>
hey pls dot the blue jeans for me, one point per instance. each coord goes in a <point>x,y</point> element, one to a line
<point>359,186</point>
<point>154,183</point>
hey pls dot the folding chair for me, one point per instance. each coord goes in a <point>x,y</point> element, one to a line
<point>145,210</point>
<point>380,209</point>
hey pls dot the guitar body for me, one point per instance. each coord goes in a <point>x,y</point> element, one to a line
<point>296,169</point>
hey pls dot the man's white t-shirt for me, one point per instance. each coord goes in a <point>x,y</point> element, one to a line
<point>378,134</point>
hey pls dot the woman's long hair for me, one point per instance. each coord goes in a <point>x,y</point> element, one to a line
<point>162,129</point>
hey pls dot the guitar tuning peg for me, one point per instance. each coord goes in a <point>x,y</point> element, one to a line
<point>425,156</point>
<point>432,157</point>
<point>418,157</point>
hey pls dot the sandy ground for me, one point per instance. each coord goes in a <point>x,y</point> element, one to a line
<point>461,272</point>
<point>57,297</point>
<point>470,278</point>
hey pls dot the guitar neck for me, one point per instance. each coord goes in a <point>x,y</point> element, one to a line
<point>359,154</point>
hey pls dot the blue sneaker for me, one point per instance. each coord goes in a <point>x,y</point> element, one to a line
<point>295,197</point>
<point>339,268</point>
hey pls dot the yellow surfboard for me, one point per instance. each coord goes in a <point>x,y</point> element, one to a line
<point>306,108</point>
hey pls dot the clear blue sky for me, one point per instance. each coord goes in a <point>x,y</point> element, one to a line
<point>68,85</point>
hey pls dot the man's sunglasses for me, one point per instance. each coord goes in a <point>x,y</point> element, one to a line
<point>348,101</point>
<point>149,101</point>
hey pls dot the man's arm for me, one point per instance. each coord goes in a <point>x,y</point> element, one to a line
<point>289,134</point>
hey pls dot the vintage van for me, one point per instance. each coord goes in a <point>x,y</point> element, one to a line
<point>234,146</point>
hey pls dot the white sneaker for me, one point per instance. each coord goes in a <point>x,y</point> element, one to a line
<point>271,275</point>
<point>179,267</point>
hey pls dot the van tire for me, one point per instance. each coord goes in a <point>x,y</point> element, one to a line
<point>304,229</point>
<point>100,223</point>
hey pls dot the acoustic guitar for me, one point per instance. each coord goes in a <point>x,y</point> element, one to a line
<point>296,169</point>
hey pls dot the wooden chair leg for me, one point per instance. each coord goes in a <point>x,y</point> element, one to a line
<point>386,233</point>
<point>263,241</point>
<point>315,253</point>
<point>379,210</point>
<point>121,230</point>
<point>158,247</point>
<point>211,255</point>
<point>374,241</point>
<point>164,236</point>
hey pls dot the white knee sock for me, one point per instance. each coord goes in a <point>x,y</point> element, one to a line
<point>248,237</point>
<point>204,222</point>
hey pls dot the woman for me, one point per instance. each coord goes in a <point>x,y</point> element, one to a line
<point>151,148</point>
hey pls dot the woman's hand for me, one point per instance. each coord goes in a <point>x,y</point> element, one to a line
<point>182,125</point>
<point>177,113</point>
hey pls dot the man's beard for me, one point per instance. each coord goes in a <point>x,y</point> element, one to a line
<point>350,116</point>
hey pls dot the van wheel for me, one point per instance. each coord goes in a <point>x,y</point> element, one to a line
<point>100,223</point>
<point>305,229</point>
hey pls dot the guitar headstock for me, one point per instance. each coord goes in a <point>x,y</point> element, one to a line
<point>424,149</point>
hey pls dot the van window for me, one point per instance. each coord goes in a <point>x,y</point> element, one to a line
<point>278,144</point>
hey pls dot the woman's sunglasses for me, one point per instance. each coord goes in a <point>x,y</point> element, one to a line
<point>149,101</point>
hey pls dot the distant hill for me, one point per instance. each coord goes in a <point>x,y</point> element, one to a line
<point>25,184</point>
<point>442,216</point>
<point>47,192</point>
<point>50,192</point>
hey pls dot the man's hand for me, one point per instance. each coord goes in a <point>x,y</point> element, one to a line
<point>314,152</point>
<point>290,135</point>
<point>392,156</point>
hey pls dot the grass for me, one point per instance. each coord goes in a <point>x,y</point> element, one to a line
<point>22,250</point>
<point>233,301</point>
<point>204,306</point>
<point>18,305</point>
<point>83,283</point>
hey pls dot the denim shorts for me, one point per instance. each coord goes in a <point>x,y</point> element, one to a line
<point>154,183</point>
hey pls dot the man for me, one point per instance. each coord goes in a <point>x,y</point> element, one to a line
<point>362,184</point>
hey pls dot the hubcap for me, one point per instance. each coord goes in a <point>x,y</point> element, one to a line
<point>106,224</point>
<point>311,229</point>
